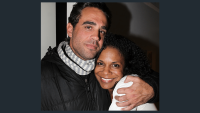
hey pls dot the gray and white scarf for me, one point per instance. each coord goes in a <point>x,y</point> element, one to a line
<point>80,66</point>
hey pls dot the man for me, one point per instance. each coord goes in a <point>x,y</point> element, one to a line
<point>68,82</point>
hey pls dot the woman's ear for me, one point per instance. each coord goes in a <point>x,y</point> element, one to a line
<point>69,29</point>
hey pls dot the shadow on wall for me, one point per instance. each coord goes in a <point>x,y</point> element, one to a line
<point>121,18</point>
<point>120,24</point>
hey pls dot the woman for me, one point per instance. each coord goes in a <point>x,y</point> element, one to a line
<point>117,58</point>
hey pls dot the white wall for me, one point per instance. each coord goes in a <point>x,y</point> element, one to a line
<point>48,26</point>
<point>69,9</point>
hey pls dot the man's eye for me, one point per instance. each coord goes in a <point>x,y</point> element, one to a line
<point>88,27</point>
<point>102,32</point>
<point>115,65</point>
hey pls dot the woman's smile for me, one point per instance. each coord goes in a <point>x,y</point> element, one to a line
<point>106,80</point>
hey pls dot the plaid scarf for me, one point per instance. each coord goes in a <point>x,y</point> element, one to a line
<point>80,66</point>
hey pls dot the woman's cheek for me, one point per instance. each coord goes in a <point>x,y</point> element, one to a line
<point>119,73</point>
<point>96,70</point>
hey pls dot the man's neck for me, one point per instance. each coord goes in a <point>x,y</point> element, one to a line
<point>80,66</point>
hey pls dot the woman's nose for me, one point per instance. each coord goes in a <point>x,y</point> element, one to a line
<point>106,70</point>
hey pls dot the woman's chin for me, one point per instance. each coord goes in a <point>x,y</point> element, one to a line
<point>106,87</point>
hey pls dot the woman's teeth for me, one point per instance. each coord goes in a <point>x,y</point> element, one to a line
<point>106,80</point>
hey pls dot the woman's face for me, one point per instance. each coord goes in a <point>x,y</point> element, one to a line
<point>109,67</point>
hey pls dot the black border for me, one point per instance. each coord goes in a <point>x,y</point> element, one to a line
<point>20,56</point>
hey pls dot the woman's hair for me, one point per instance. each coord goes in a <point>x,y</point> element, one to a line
<point>135,59</point>
<point>79,6</point>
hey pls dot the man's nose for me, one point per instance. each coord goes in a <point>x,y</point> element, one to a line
<point>95,36</point>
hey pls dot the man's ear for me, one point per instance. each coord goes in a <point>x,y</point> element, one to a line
<point>69,29</point>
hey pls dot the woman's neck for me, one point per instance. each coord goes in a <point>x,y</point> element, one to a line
<point>111,93</point>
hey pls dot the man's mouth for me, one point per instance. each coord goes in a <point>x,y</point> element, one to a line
<point>91,46</point>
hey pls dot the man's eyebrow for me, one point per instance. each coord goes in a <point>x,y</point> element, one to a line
<point>104,27</point>
<point>88,22</point>
<point>92,23</point>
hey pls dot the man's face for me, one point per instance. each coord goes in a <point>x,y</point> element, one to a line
<point>88,35</point>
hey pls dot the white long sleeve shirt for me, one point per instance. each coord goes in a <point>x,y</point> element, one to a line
<point>114,107</point>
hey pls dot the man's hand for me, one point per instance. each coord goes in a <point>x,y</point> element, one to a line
<point>138,93</point>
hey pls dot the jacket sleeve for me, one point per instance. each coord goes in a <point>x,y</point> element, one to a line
<point>153,80</point>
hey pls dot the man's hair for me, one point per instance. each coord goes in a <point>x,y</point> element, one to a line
<point>79,6</point>
<point>135,59</point>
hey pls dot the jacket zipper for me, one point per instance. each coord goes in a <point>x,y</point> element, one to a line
<point>88,93</point>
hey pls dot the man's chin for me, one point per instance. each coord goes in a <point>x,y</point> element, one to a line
<point>90,56</point>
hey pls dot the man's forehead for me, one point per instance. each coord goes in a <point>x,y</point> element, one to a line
<point>91,14</point>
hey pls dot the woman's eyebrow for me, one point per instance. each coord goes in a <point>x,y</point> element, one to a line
<point>116,62</point>
<point>100,60</point>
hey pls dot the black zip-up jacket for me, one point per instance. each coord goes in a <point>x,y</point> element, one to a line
<point>63,89</point>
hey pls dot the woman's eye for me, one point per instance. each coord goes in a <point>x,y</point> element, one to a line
<point>99,63</point>
<point>115,65</point>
